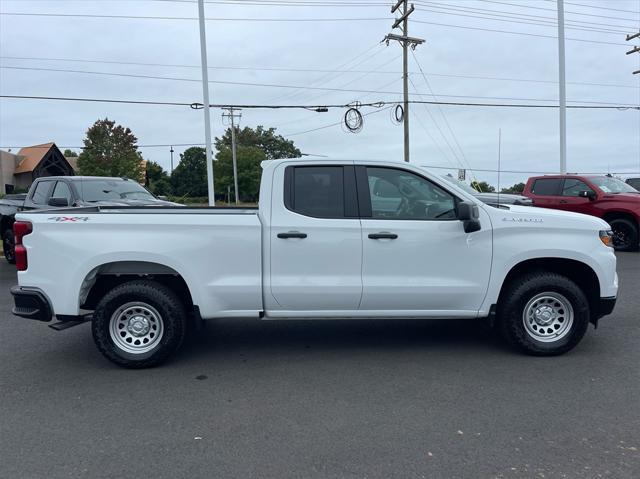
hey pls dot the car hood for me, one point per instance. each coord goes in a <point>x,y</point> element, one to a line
<point>550,217</point>
<point>633,197</point>
<point>503,198</point>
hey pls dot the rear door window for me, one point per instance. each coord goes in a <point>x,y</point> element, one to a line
<point>321,191</point>
<point>547,187</point>
<point>41,193</point>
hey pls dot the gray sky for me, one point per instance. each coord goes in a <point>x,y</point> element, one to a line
<point>258,51</point>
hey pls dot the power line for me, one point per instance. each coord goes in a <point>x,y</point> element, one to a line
<point>376,104</point>
<point>444,117</point>
<point>308,70</point>
<point>597,7</point>
<point>334,124</point>
<point>273,85</point>
<point>211,19</point>
<point>329,77</point>
<point>537,35</point>
<point>554,10</point>
<point>524,16</point>
<point>415,21</point>
<point>489,170</point>
<point>508,19</point>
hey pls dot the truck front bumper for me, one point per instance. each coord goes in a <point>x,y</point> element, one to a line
<point>31,304</point>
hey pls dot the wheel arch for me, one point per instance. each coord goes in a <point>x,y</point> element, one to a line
<point>620,214</point>
<point>106,276</point>
<point>580,273</point>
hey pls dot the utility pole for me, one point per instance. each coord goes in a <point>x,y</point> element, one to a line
<point>232,116</point>
<point>171,151</point>
<point>206,104</point>
<point>406,41</point>
<point>563,89</point>
<point>635,49</point>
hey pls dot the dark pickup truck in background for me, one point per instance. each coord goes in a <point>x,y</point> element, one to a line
<point>606,197</point>
<point>64,191</point>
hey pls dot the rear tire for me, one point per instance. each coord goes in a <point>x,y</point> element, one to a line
<point>139,324</point>
<point>8,246</point>
<point>625,234</point>
<point>543,314</point>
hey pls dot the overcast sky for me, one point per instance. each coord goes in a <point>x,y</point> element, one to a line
<point>470,64</point>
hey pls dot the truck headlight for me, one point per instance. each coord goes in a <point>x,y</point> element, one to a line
<point>606,236</point>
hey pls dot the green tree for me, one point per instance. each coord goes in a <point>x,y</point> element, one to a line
<point>518,188</point>
<point>249,171</point>
<point>274,146</point>
<point>157,180</point>
<point>110,150</point>
<point>70,153</point>
<point>190,176</point>
<point>482,187</point>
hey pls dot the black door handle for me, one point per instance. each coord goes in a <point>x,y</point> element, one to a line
<point>292,234</point>
<point>563,201</point>
<point>383,236</point>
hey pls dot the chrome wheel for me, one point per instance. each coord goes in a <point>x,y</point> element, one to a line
<point>548,317</point>
<point>136,327</point>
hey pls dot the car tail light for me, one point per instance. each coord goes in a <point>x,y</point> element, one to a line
<point>20,230</point>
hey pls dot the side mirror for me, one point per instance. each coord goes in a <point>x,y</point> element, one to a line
<point>469,214</point>
<point>58,202</point>
<point>162,197</point>
<point>591,195</point>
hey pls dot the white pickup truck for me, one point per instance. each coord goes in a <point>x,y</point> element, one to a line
<point>331,239</point>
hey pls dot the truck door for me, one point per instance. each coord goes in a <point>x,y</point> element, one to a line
<point>571,201</point>
<point>417,259</point>
<point>315,240</point>
<point>546,192</point>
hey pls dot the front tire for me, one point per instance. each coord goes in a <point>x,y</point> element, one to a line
<point>625,234</point>
<point>139,324</point>
<point>8,246</point>
<point>543,314</point>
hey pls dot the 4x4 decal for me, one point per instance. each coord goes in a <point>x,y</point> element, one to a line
<point>68,219</point>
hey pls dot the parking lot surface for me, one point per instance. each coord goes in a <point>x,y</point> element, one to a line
<point>335,399</point>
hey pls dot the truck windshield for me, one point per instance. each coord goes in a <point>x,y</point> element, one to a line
<point>104,190</point>
<point>612,185</point>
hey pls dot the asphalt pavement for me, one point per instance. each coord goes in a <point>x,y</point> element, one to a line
<point>324,399</point>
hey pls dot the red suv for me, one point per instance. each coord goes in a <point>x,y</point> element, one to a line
<point>603,196</point>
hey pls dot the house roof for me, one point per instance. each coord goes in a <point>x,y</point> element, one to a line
<point>73,161</point>
<point>31,157</point>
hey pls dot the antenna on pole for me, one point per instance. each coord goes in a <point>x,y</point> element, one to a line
<point>499,160</point>
<point>206,103</point>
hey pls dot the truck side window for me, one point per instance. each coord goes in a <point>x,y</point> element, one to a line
<point>39,196</point>
<point>62,191</point>
<point>635,182</point>
<point>318,191</point>
<point>547,187</point>
<point>401,195</point>
<point>573,187</point>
